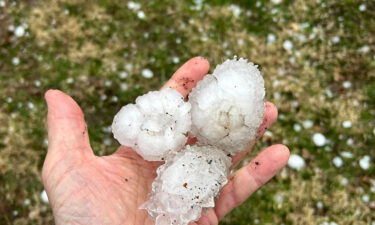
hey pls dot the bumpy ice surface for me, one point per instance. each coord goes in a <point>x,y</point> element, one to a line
<point>228,106</point>
<point>156,125</point>
<point>188,182</point>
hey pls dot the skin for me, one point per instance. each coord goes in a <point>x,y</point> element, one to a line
<point>86,189</point>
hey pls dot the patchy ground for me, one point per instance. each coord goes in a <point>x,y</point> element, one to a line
<point>318,61</point>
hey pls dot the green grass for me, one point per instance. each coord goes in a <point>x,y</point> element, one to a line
<point>81,48</point>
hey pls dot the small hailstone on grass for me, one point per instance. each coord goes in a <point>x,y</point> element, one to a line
<point>362,7</point>
<point>236,9</point>
<point>307,124</point>
<point>288,45</point>
<point>26,202</point>
<point>276,1</point>
<point>350,141</point>
<point>70,80</point>
<point>344,181</point>
<point>16,61</point>
<point>134,5</point>
<point>123,74</point>
<point>364,162</point>
<point>271,38</point>
<point>37,83</point>
<point>9,99</point>
<point>319,205</point>
<point>347,155</point>
<point>147,73</point>
<point>11,27</point>
<point>30,105</point>
<point>364,49</point>
<point>346,124</point>
<point>347,84</point>
<point>278,198</point>
<point>175,59</point>
<point>186,184</point>
<point>365,198</point>
<point>268,133</point>
<point>228,106</point>
<point>19,31</point>
<point>296,162</point>
<point>319,139</point>
<point>124,86</point>
<point>335,39</point>
<point>141,15</point>
<point>297,127</point>
<point>155,126</point>
<point>44,196</point>
<point>337,161</point>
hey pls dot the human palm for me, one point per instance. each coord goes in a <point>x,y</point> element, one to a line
<point>87,189</point>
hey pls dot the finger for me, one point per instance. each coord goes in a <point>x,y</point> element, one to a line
<point>248,179</point>
<point>188,75</point>
<point>270,116</point>
<point>67,131</point>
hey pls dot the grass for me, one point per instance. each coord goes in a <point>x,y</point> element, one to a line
<point>326,77</point>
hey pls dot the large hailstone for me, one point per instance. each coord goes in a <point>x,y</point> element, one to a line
<point>228,106</point>
<point>155,126</point>
<point>187,183</point>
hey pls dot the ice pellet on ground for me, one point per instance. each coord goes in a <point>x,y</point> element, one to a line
<point>297,127</point>
<point>186,184</point>
<point>319,139</point>
<point>308,124</point>
<point>347,155</point>
<point>346,124</point>
<point>228,106</point>
<point>44,196</point>
<point>19,31</point>
<point>156,125</point>
<point>147,73</point>
<point>364,162</point>
<point>288,45</point>
<point>15,61</point>
<point>338,162</point>
<point>296,162</point>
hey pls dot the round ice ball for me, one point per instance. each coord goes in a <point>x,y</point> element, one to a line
<point>228,106</point>
<point>187,183</point>
<point>155,126</point>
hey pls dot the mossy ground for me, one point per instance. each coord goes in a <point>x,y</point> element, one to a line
<point>317,58</point>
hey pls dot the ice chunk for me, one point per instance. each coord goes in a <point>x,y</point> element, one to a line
<point>156,125</point>
<point>228,106</point>
<point>187,183</point>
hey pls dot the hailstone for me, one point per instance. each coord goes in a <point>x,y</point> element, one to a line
<point>228,106</point>
<point>155,126</point>
<point>187,183</point>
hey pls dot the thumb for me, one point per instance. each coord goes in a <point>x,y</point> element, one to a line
<point>67,130</point>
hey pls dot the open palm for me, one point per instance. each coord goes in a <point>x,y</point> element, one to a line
<point>87,189</point>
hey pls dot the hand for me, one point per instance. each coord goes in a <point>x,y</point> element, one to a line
<point>87,189</point>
